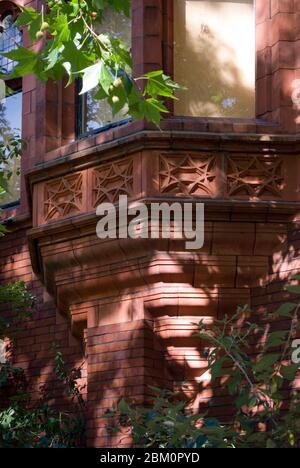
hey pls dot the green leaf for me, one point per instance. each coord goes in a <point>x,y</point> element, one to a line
<point>289,372</point>
<point>216,368</point>
<point>53,58</point>
<point>62,30</point>
<point>91,77</point>
<point>26,16</point>
<point>105,78</point>
<point>124,407</point>
<point>266,362</point>
<point>32,19</point>
<point>294,289</point>
<point>20,54</point>
<point>276,339</point>
<point>285,310</point>
<point>234,383</point>
<point>243,399</point>
<point>160,85</point>
<point>27,61</point>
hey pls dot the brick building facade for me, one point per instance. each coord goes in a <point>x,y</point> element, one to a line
<point>126,308</point>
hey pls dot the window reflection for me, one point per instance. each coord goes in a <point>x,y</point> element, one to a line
<point>10,125</point>
<point>93,114</point>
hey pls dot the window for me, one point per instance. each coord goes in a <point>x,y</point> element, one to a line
<point>214,57</point>
<point>10,100</point>
<point>97,115</point>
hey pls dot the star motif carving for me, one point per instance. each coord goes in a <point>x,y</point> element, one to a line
<point>256,177</point>
<point>111,181</point>
<point>187,175</point>
<point>63,197</point>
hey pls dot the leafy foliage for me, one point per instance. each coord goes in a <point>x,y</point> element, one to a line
<point>10,150</point>
<point>70,43</point>
<point>17,299</point>
<point>168,425</point>
<point>42,427</point>
<point>24,425</point>
<point>254,361</point>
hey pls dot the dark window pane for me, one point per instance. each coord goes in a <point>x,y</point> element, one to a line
<point>95,115</point>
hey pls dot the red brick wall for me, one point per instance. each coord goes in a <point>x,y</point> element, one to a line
<point>123,360</point>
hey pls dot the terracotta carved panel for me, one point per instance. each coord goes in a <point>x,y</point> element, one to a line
<point>188,175</point>
<point>255,177</point>
<point>112,180</point>
<point>63,197</point>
